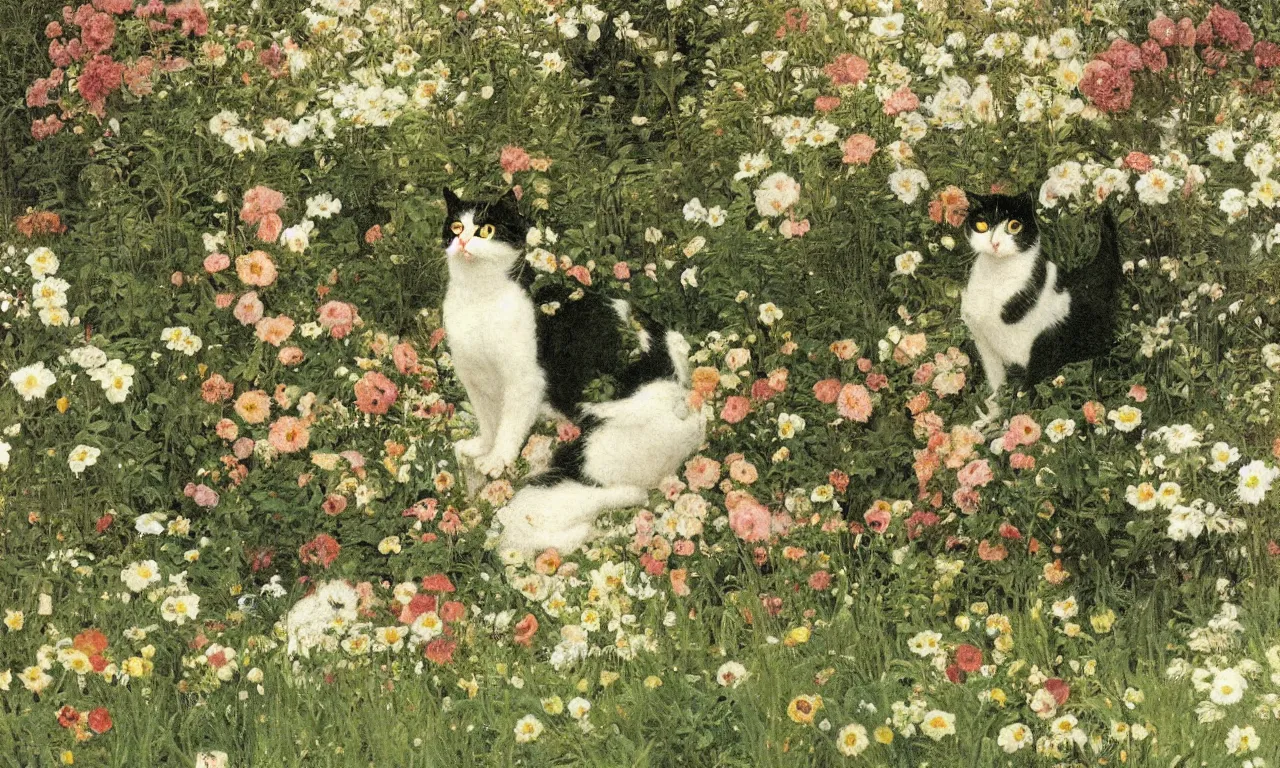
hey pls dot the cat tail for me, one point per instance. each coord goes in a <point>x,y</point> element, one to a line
<point>663,353</point>
<point>560,516</point>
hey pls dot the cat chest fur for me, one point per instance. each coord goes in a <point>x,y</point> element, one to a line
<point>492,327</point>
<point>993,285</point>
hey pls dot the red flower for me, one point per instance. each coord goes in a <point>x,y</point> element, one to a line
<point>441,650</point>
<point>375,393</point>
<point>526,629</point>
<point>452,611</point>
<point>104,523</point>
<point>90,641</point>
<point>437,582</point>
<point>969,657</point>
<point>68,716</point>
<point>99,720</point>
<point>1110,89</point>
<point>1060,690</point>
<point>100,77</point>
<point>321,550</point>
<point>847,69</point>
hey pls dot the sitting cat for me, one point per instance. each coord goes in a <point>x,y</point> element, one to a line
<point>628,445</point>
<point>520,351</point>
<point>1026,315</point>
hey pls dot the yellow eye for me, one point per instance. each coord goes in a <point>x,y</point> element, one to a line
<point>981,226</point>
<point>1014,226</point>
<point>456,228</point>
<point>486,231</point>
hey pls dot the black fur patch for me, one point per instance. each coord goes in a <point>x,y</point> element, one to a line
<point>568,460</point>
<point>1022,302</point>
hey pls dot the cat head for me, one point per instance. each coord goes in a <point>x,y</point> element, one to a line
<point>1002,226</point>
<point>483,232</point>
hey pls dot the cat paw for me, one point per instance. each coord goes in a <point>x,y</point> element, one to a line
<point>472,448</point>
<point>492,465</point>
<point>987,418</point>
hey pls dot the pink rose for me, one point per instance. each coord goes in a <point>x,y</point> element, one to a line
<point>750,520</point>
<point>216,262</point>
<point>735,409</point>
<point>858,149</point>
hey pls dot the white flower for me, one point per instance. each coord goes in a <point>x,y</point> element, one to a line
<point>1234,203</point>
<point>4,454</point>
<point>323,206</point>
<point>776,194</point>
<point>33,381</point>
<point>689,277</point>
<point>1222,145</point>
<point>222,122</point>
<point>1223,456</point>
<point>716,216</point>
<point>773,60</point>
<point>88,357</point>
<point>1064,43</point>
<point>907,184</point>
<point>1060,429</point>
<point>528,728</point>
<point>43,262</point>
<point>770,313</point>
<point>937,724</point>
<point>82,457</point>
<point>180,608</point>
<point>140,575</point>
<point>240,140</point>
<point>1228,687</point>
<point>1014,737</point>
<point>731,674</point>
<point>925,643</point>
<point>1242,740</point>
<point>115,378</point>
<point>150,524</point>
<point>694,210</point>
<point>1126,418</point>
<point>1259,159</point>
<point>181,339</point>
<point>541,259</point>
<point>1255,481</point>
<point>751,165</point>
<point>1066,608</point>
<point>298,237</point>
<point>887,26</point>
<point>1154,186</point>
<point>907,262</point>
<point>790,425</point>
<point>852,740</point>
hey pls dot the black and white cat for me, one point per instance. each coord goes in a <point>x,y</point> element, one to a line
<point>522,352</point>
<point>1028,317</point>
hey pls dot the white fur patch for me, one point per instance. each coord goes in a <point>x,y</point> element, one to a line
<point>995,279</point>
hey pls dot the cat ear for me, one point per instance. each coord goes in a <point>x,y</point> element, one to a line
<point>451,200</point>
<point>976,201</point>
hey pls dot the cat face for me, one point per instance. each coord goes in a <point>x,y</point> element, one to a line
<point>491,232</point>
<point>1002,226</point>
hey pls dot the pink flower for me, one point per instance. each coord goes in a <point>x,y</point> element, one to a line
<point>1153,56</point>
<point>260,206</point>
<point>191,14</point>
<point>854,402</point>
<point>339,318</point>
<point>98,79</point>
<point>1020,460</point>
<point>1229,29</point>
<point>701,473</point>
<point>274,330</point>
<point>1162,30</point>
<point>289,435</point>
<point>1266,54</point>
<point>750,520</point>
<point>291,356</point>
<point>1187,33</point>
<point>43,129</point>
<point>215,389</point>
<point>975,474</point>
<point>1138,161</point>
<point>248,309</point>
<point>847,69</point>
<point>1023,430</point>
<point>760,390</point>
<point>790,228</point>
<point>242,448</point>
<point>226,429</point>
<point>97,31</point>
<point>513,159</point>
<point>827,390</point>
<point>901,100</point>
<point>201,494</point>
<point>878,517</point>
<point>735,409</point>
<point>1123,55</point>
<point>826,103</point>
<point>216,262</point>
<point>820,581</point>
<point>622,271</point>
<point>224,300</point>
<point>1093,411</point>
<point>990,553</point>
<point>1110,89</point>
<point>375,393</point>
<point>322,550</point>
<point>1138,393</point>
<point>406,359</point>
<point>567,432</point>
<point>579,273</point>
<point>53,29</point>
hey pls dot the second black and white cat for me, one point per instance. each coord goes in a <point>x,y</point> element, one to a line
<point>523,351</point>
<point>1027,316</point>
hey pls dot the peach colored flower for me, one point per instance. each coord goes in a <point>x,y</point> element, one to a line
<point>750,520</point>
<point>256,268</point>
<point>858,149</point>
<point>406,359</point>
<point>375,393</point>
<point>701,473</point>
<point>513,159</point>
<point>338,317</point>
<point>827,390</point>
<point>216,262</point>
<point>260,206</point>
<point>854,402</point>
<point>289,435</point>
<point>735,409</point>
<point>248,309</point>
<point>254,406</point>
<point>274,330</point>
<point>291,356</point>
<point>215,389</point>
<point>226,429</point>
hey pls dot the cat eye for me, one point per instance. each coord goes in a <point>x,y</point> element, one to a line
<point>457,228</point>
<point>1014,226</point>
<point>486,231</point>
<point>981,226</point>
